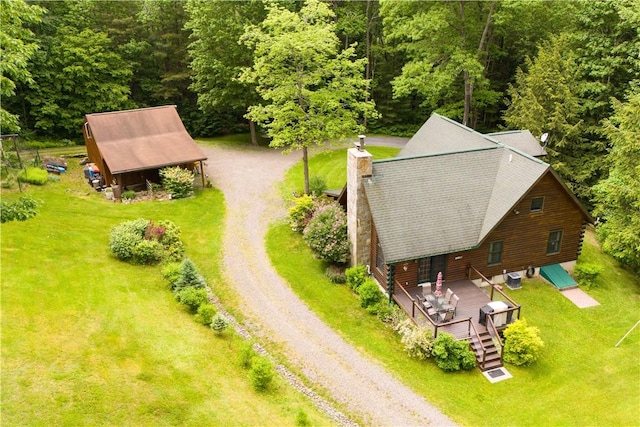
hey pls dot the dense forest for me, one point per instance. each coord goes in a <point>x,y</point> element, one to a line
<point>567,68</point>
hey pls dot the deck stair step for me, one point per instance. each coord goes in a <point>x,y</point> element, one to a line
<point>492,359</point>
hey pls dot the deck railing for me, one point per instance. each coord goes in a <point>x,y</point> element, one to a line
<point>416,312</point>
<point>515,307</point>
<point>493,332</point>
<point>483,349</point>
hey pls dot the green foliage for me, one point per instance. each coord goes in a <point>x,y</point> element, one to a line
<point>205,313</point>
<point>356,277</point>
<point>452,355</point>
<point>189,276</point>
<point>177,181</point>
<point>140,242</point>
<point>247,353</point>
<point>522,343</point>
<point>192,297</point>
<point>335,274</point>
<point>219,323</point>
<point>128,195</point>
<point>317,186</point>
<point>302,420</point>
<point>618,196</point>
<point>21,210</point>
<point>261,373</point>
<point>326,233</point>
<point>300,213</point>
<point>587,273</point>
<point>33,175</point>
<point>171,272</point>
<point>370,293</point>
<point>147,252</point>
<point>417,341</point>
<point>313,92</point>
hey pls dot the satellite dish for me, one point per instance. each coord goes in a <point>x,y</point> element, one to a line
<point>544,137</point>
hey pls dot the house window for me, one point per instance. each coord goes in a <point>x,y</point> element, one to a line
<point>424,268</point>
<point>379,256</point>
<point>536,204</point>
<point>495,252</point>
<point>553,245</point>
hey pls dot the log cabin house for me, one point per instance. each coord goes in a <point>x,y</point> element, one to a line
<point>460,203</point>
<point>130,147</point>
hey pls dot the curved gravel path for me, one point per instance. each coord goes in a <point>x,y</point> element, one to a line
<point>248,178</point>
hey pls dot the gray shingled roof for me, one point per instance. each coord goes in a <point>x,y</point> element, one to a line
<point>142,139</point>
<point>442,135</point>
<point>522,140</point>
<point>442,203</point>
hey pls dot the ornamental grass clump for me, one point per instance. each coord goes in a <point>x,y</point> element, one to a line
<point>326,233</point>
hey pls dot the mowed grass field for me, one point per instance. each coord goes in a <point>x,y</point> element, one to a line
<point>581,379</point>
<point>90,340</point>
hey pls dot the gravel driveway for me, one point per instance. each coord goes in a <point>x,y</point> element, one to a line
<point>248,178</point>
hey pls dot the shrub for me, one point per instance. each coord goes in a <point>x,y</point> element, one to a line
<point>22,209</point>
<point>177,181</point>
<point>326,233</point>
<point>171,272</point>
<point>587,274</point>
<point>128,195</point>
<point>302,420</point>
<point>247,353</point>
<point>317,185</point>
<point>386,311</point>
<point>35,176</point>
<point>205,313</point>
<point>261,373</point>
<point>300,213</point>
<point>417,341</point>
<point>192,297</point>
<point>370,293</point>
<point>219,323</point>
<point>452,355</point>
<point>356,277</point>
<point>189,276</point>
<point>335,274</point>
<point>522,343</point>
<point>123,242</point>
<point>147,252</point>
<point>171,240</point>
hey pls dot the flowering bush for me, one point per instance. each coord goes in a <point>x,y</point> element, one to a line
<point>177,181</point>
<point>326,233</point>
<point>141,242</point>
<point>417,341</point>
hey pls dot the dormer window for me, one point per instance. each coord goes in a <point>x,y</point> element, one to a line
<point>536,204</point>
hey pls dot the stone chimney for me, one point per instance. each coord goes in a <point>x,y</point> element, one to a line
<point>359,168</point>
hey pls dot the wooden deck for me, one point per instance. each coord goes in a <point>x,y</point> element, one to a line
<point>472,298</point>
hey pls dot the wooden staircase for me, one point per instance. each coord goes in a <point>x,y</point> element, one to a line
<point>487,354</point>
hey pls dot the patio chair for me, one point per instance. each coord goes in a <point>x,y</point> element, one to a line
<point>446,316</point>
<point>452,305</point>
<point>448,295</point>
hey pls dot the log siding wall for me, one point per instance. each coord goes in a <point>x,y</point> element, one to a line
<point>524,235</point>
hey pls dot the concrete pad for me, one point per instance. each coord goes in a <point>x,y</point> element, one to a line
<point>579,297</point>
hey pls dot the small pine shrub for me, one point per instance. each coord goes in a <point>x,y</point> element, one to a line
<point>219,323</point>
<point>22,209</point>
<point>452,355</point>
<point>147,252</point>
<point>300,213</point>
<point>326,233</point>
<point>261,373</point>
<point>355,277</point>
<point>189,276</point>
<point>33,175</point>
<point>587,274</point>
<point>370,294</point>
<point>192,297</point>
<point>317,185</point>
<point>522,343</point>
<point>205,313</point>
<point>177,181</point>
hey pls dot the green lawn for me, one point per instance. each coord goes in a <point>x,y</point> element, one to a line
<point>89,340</point>
<point>582,378</point>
